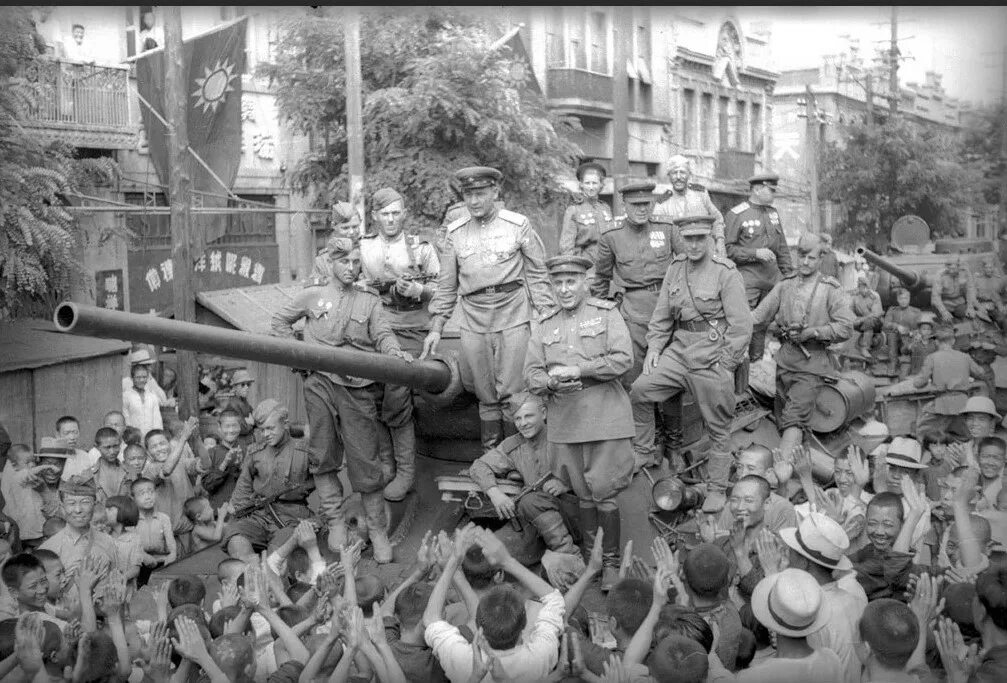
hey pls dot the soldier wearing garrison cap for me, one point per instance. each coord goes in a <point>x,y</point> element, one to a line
<point>755,242</point>
<point>342,410</point>
<point>403,269</point>
<point>584,221</point>
<point>633,256</point>
<point>575,359</point>
<point>493,269</point>
<point>690,199</point>
<point>77,539</point>
<point>697,336</point>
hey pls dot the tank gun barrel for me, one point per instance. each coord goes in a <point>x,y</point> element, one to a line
<point>909,279</point>
<point>433,376</point>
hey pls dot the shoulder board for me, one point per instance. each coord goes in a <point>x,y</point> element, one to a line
<point>697,187</point>
<point>512,217</point>
<point>829,280</point>
<point>679,257</point>
<point>316,282</point>
<point>662,218</point>
<point>361,287</point>
<point>740,208</point>
<point>511,443</point>
<point>616,224</point>
<point>722,260</point>
<point>457,223</point>
<point>601,303</point>
<point>550,313</point>
<point>369,236</point>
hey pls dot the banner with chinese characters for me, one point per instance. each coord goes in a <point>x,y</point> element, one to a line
<point>109,288</point>
<point>152,270</point>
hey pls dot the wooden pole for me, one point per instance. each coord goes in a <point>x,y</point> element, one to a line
<point>893,73</point>
<point>354,113</point>
<point>180,200</point>
<point>620,103</point>
<point>870,101</point>
<point>1003,149</point>
<point>811,132</point>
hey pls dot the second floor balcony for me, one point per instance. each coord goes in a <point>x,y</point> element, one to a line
<point>577,89</point>
<point>86,105</point>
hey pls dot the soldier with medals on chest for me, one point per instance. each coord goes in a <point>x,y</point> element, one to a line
<point>584,222</point>
<point>690,199</point>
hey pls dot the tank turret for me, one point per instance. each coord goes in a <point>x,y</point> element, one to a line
<point>895,275</point>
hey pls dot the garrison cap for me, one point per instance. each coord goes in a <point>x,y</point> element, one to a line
<point>767,178</point>
<point>694,225</point>
<point>266,407</point>
<point>241,376</point>
<point>339,246</point>
<point>476,177</point>
<point>568,264</point>
<point>54,448</point>
<point>384,197</point>
<point>78,485</point>
<point>638,192</point>
<point>591,166</point>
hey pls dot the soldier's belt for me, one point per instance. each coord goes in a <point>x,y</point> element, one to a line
<point>494,289</point>
<point>700,325</point>
<point>652,287</point>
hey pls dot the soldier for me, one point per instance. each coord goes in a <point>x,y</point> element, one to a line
<point>867,314</point>
<point>690,199</point>
<point>756,244</point>
<point>702,310</point>
<point>811,312</point>
<point>830,265</point>
<point>635,255</point>
<point>402,270</point>
<point>984,350</point>
<point>342,410</point>
<point>575,358</point>
<point>452,214</point>
<point>923,342</point>
<point>494,263</point>
<point>584,222</point>
<point>954,294</point>
<point>902,321</point>
<point>275,464</point>
<point>990,292</point>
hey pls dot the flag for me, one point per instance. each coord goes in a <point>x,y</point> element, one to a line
<point>212,64</point>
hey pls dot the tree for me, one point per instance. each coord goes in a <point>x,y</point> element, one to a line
<point>39,240</point>
<point>982,147</point>
<point>880,175</point>
<point>436,98</point>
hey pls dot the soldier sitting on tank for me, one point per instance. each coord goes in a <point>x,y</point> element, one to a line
<point>947,372</point>
<point>866,306</point>
<point>923,343</point>
<point>984,350</point>
<point>953,296</point>
<point>527,453</point>
<point>901,321</point>
<point>991,291</point>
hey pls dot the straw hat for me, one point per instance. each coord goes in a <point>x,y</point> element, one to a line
<point>790,603</point>
<point>820,539</point>
<point>905,452</point>
<point>981,404</point>
<point>140,357</point>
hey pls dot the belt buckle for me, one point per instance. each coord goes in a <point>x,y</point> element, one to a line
<point>492,289</point>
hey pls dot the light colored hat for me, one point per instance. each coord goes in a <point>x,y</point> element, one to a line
<point>52,447</point>
<point>981,404</point>
<point>905,452</point>
<point>241,376</point>
<point>79,485</point>
<point>264,409</point>
<point>820,539</point>
<point>140,357</point>
<point>790,603</point>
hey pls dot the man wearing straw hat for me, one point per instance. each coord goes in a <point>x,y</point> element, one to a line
<point>53,453</point>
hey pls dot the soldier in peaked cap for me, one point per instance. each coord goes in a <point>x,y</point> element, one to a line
<point>584,221</point>
<point>755,242</point>
<point>493,269</point>
<point>690,199</point>
<point>575,358</point>
<point>701,310</point>
<point>634,256</point>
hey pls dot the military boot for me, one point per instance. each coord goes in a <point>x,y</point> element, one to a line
<point>404,445</point>
<point>588,518</point>
<point>552,529</point>
<point>491,432</point>
<point>864,344</point>
<point>611,525</point>
<point>377,521</point>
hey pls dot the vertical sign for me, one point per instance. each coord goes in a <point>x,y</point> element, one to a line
<point>109,289</point>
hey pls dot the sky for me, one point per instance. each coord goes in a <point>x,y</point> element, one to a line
<point>949,40</point>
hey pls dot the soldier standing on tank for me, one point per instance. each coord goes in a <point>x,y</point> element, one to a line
<point>402,269</point>
<point>756,244</point>
<point>954,293</point>
<point>811,311</point>
<point>702,311</point>
<point>634,255</point>
<point>690,199</point>
<point>867,315</point>
<point>494,264</point>
<point>343,410</point>
<point>575,359</point>
<point>991,290</point>
<point>584,222</point>
<point>901,322</point>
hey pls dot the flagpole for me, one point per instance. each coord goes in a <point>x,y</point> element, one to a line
<point>180,203</point>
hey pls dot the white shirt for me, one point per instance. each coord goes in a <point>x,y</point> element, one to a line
<point>81,462</point>
<point>822,665</point>
<point>142,411</point>
<point>841,631</point>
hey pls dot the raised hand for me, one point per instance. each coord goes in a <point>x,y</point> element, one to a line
<point>595,561</point>
<point>90,570</point>
<point>464,538</point>
<point>375,626</point>
<point>28,636</point>
<point>228,594</point>
<point>783,465</point>
<point>350,556</point>
<point>958,660</point>
<point>640,570</point>
<point>425,555</point>
<point>828,505</point>
<point>114,595</point>
<point>707,527</point>
<point>924,603</point>
<point>858,463</point>
<point>322,610</point>
<point>662,580</point>
<point>663,556</point>
<point>614,671</point>
<point>627,560</point>
<point>190,642</point>
<point>494,550</point>
<point>966,487</point>
<point>159,669</point>
<point>305,533</point>
<point>916,500</point>
<point>355,632</point>
<point>770,556</point>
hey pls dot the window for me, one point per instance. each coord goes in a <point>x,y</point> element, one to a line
<point>756,127</point>
<point>577,49</point>
<point>599,42</point>
<point>706,122</point>
<point>578,39</point>
<point>689,118</point>
<point>151,230</point>
<point>643,97</point>
<point>724,123</point>
<point>250,228</point>
<point>555,48</point>
<point>641,48</point>
<point>741,125</point>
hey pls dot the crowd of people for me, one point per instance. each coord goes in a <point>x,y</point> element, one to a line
<point>880,563</point>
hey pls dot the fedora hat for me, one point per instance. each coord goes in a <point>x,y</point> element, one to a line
<point>981,404</point>
<point>140,357</point>
<point>790,603</point>
<point>241,376</point>
<point>52,447</point>
<point>905,452</point>
<point>821,540</point>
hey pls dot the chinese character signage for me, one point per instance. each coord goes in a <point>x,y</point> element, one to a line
<point>220,267</point>
<point>108,291</point>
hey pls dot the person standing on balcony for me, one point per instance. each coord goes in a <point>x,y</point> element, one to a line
<point>75,50</point>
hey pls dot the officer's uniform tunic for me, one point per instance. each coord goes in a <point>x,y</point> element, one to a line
<point>990,295</point>
<point>583,224</point>
<point>699,358</point>
<point>895,317</point>
<point>954,292</point>
<point>695,201</point>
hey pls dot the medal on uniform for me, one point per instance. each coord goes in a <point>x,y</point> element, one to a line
<point>714,334</point>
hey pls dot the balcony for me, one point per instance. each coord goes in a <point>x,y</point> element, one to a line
<point>82,104</point>
<point>577,90</point>
<point>733,164</point>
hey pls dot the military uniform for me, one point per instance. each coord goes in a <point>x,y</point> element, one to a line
<point>703,312</point>
<point>266,471</point>
<point>991,291</point>
<point>590,429</point>
<point>583,224</point>
<point>900,324</point>
<point>867,314</point>
<point>695,201</point>
<point>953,293</point>
<point>494,270</point>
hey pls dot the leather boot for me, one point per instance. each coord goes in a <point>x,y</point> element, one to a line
<point>491,432</point>
<point>588,518</point>
<point>404,446</point>
<point>552,529</point>
<point>866,339</point>
<point>374,511</point>
<point>611,525</point>
<point>741,377</point>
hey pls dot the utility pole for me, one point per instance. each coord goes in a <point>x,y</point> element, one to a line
<point>620,103</point>
<point>1003,148</point>
<point>870,101</point>
<point>893,77</point>
<point>176,101</point>
<point>811,151</point>
<point>354,112</point>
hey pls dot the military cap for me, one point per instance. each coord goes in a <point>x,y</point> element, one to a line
<point>264,409</point>
<point>78,485</point>
<point>694,225</point>
<point>591,166</point>
<point>476,177</point>
<point>568,264</point>
<point>241,376</point>
<point>339,246</point>
<point>54,448</point>
<point>638,192</point>
<point>927,318</point>
<point>767,178</point>
<point>383,198</point>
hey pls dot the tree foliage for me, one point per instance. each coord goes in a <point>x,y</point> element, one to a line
<point>982,148</point>
<point>879,175</point>
<point>39,240</point>
<point>436,98</point>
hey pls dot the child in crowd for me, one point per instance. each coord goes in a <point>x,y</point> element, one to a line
<point>61,602</point>
<point>109,475</point>
<point>936,444</point>
<point>19,485</point>
<point>154,531</point>
<point>226,459</point>
<point>707,578</point>
<point>123,517</point>
<point>205,530</point>
<point>27,587</point>
<point>131,436</point>
<point>889,631</point>
<point>170,469</point>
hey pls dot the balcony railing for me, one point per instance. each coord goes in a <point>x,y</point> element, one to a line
<point>85,98</point>
<point>577,84</point>
<point>734,164</point>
